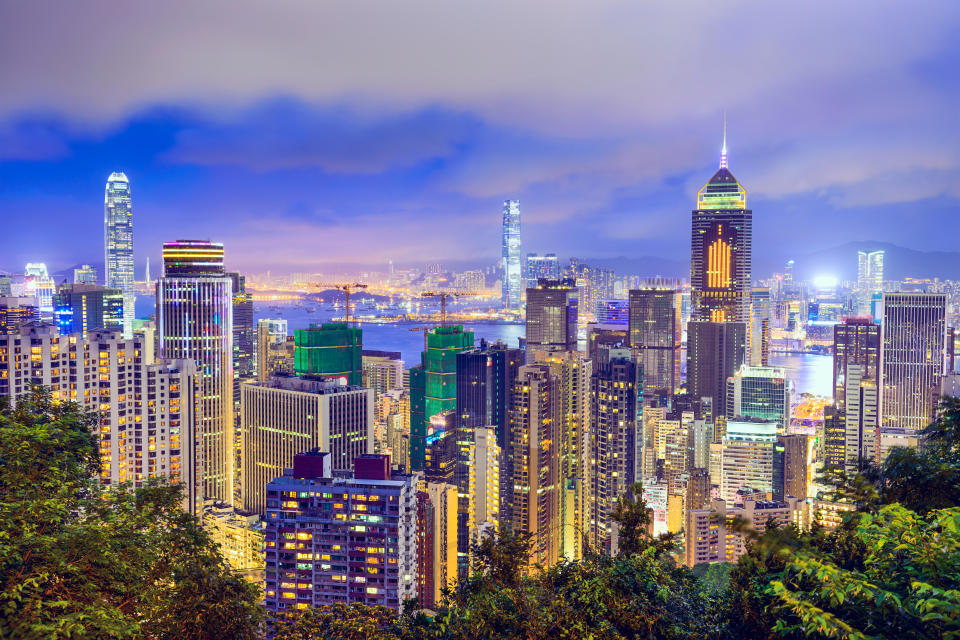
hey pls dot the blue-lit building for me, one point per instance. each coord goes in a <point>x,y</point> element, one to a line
<point>512,265</point>
<point>118,244</point>
<point>79,308</point>
<point>545,266</point>
<point>613,311</point>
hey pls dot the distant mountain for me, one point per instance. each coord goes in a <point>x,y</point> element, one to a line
<point>898,262</point>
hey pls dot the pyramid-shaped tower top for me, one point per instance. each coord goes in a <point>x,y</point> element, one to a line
<point>722,191</point>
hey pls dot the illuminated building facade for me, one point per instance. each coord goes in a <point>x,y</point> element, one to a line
<point>715,352</point>
<point>759,392</point>
<point>195,322</point>
<point>760,325</point>
<point>79,308</point>
<point>292,414</point>
<point>613,311</point>
<point>85,274</point>
<point>244,334</point>
<point>272,355</point>
<point>551,321</point>
<point>546,266</point>
<point>534,507</point>
<point>118,244</point>
<point>912,360</point>
<point>433,384</point>
<point>611,463</point>
<point>656,334</point>
<point>17,312</point>
<point>340,540</point>
<point>856,341</point>
<point>869,278</point>
<point>332,349</point>
<point>145,410</point>
<point>747,458</point>
<point>722,245</point>
<point>512,264</point>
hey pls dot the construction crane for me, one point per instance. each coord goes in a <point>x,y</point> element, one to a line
<point>443,295</point>
<point>347,288</point>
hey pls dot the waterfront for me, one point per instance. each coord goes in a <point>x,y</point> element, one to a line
<point>811,373</point>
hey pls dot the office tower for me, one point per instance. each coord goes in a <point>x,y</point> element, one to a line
<point>79,308</point>
<point>869,278</point>
<point>85,274</point>
<point>551,322</point>
<point>433,384</point>
<point>794,450</point>
<point>911,361</point>
<point>656,334</point>
<point>759,392</point>
<point>317,522</point>
<point>244,334</point>
<point>195,322</point>
<point>856,341</point>
<point>17,312</point>
<point>546,266</point>
<point>145,410</point>
<point>715,351</point>
<point>146,272</point>
<point>600,336</point>
<point>512,266</point>
<point>722,248</point>
<point>613,311</point>
<point>747,458</point>
<point>332,349</point>
<point>616,398</point>
<point>572,371</point>
<point>272,354</point>
<point>534,424</point>
<point>289,415</point>
<point>118,244</point>
<point>760,325</point>
<point>485,378</point>
<point>37,283</point>
<point>436,542</point>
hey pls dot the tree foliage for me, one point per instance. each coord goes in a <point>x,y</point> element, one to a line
<point>77,561</point>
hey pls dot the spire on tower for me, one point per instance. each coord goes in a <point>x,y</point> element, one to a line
<point>723,150</point>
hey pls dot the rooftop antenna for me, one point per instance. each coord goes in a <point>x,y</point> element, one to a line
<point>723,150</point>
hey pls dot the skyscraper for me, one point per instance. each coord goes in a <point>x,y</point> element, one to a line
<point>195,322</point>
<point>655,333</point>
<point>545,266</point>
<point>856,391</point>
<point>433,384</point>
<point>722,245</point>
<point>118,244</point>
<point>244,334</point>
<point>552,309</point>
<point>512,265</point>
<point>912,362</point>
<point>869,278</point>
<point>760,317</point>
<point>715,351</point>
<point>759,392</point>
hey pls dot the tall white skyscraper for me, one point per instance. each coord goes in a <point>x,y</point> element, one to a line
<point>512,265</point>
<point>869,278</point>
<point>118,244</point>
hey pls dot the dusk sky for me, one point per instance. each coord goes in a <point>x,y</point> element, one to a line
<point>305,134</point>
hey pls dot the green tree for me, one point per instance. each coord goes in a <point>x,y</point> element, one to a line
<point>337,622</point>
<point>77,561</point>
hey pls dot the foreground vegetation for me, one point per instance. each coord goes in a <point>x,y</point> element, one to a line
<point>79,562</point>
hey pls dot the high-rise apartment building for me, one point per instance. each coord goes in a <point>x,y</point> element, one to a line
<point>433,384</point>
<point>79,308</point>
<point>146,411</point>
<point>546,266</point>
<point>759,392</point>
<point>292,414</point>
<point>722,244</point>
<point>332,539</point>
<point>715,352</point>
<point>912,361</point>
<point>382,371</point>
<point>611,463</point>
<point>656,334</point>
<point>793,454</point>
<point>195,322</point>
<point>551,322</point>
<point>17,312</point>
<point>534,507</point>
<point>512,261</point>
<point>118,244</point>
<point>332,349</point>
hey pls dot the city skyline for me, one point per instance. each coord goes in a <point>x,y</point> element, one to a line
<point>396,161</point>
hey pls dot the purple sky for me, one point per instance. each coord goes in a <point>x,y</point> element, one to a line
<point>303,134</point>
